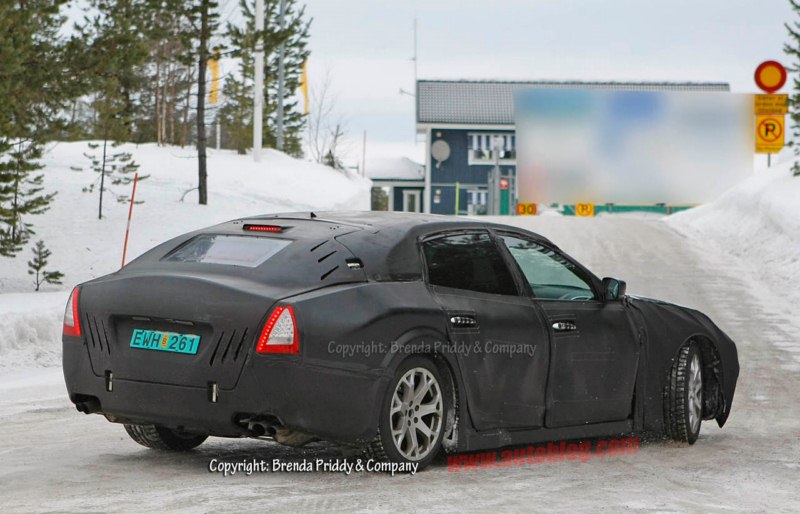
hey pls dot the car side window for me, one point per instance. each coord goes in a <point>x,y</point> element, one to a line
<point>468,261</point>
<point>550,275</point>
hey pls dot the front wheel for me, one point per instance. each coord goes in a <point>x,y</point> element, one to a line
<point>684,395</point>
<point>160,438</point>
<point>412,420</point>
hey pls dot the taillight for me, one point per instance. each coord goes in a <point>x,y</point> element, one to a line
<point>263,228</point>
<point>72,321</point>
<point>280,332</point>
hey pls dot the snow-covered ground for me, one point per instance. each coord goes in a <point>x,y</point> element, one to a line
<point>84,247</point>
<point>757,221</point>
<point>734,259</point>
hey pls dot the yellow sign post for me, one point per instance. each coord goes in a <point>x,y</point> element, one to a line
<point>767,105</point>
<point>769,134</point>
<point>584,209</point>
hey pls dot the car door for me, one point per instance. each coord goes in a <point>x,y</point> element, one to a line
<point>594,352</point>
<point>498,337</point>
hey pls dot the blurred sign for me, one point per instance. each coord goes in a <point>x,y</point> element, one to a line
<point>578,145</point>
<point>526,209</point>
<point>770,104</point>
<point>769,134</point>
<point>770,76</point>
<point>584,209</point>
<point>503,183</point>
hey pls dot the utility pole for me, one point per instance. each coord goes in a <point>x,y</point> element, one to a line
<point>415,54</point>
<point>258,90</point>
<point>364,156</point>
<point>202,138</point>
<point>281,77</point>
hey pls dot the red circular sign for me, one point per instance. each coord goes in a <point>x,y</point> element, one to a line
<point>770,76</point>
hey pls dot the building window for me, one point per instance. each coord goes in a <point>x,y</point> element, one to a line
<point>482,147</point>
<point>477,201</point>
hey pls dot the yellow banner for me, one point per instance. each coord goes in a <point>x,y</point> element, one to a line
<point>304,86</point>
<point>213,67</point>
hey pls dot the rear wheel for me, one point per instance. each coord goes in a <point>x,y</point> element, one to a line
<point>412,419</point>
<point>160,438</point>
<point>684,395</point>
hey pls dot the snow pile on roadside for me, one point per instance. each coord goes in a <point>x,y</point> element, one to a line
<point>758,221</point>
<point>30,329</point>
<point>84,247</point>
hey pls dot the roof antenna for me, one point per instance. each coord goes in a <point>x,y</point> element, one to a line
<point>313,215</point>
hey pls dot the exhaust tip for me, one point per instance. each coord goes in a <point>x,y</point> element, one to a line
<point>87,404</point>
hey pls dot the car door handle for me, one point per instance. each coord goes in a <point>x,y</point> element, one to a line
<point>564,326</point>
<point>462,321</point>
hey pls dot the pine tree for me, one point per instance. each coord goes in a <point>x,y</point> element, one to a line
<point>243,39</point>
<point>117,168</point>
<point>235,116</point>
<point>39,263</point>
<point>21,195</point>
<point>36,80</point>
<point>171,74</point>
<point>116,60</point>
<point>295,38</point>
<point>792,49</point>
<point>203,17</point>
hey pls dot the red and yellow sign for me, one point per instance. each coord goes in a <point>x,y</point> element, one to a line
<point>770,76</point>
<point>769,134</point>
<point>526,209</point>
<point>584,209</point>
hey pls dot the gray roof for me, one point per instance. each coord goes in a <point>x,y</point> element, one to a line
<point>492,102</point>
<point>398,168</point>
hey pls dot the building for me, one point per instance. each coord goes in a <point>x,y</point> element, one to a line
<point>470,139</point>
<point>397,184</point>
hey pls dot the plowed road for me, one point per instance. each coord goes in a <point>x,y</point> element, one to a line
<point>54,459</point>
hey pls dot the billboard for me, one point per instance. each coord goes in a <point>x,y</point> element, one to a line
<point>635,147</point>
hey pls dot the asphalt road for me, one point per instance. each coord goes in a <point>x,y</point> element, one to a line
<point>55,459</point>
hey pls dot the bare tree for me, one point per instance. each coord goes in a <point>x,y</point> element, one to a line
<point>326,128</point>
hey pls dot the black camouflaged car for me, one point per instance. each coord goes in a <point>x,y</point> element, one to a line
<point>401,334</point>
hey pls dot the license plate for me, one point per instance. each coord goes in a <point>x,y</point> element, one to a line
<point>165,341</point>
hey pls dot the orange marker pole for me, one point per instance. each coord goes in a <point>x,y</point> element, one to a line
<point>130,214</point>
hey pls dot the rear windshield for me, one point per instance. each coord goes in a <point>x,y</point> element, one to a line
<point>250,251</point>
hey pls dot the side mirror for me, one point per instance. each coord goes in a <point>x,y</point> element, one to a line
<point>613,289</point>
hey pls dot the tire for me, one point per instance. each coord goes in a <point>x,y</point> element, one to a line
<point>683,396</point>
<point>160,438</point>
<point>404,436</point>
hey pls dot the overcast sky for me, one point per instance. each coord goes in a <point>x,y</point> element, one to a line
<point>367,46</point>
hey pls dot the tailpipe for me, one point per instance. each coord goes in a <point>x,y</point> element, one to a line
<point>87,404</point>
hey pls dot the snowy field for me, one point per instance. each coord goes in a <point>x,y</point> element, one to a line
<point>736,260</point>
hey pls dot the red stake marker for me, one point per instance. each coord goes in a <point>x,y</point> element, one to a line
<point>130,213</point>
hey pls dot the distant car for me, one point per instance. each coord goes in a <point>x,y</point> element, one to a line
<point>397,333</point>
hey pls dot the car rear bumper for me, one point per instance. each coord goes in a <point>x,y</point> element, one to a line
<point>331,403</point>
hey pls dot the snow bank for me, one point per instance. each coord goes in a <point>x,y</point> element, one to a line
<point>85,247</point>
<point>30,329</point>
<point>758,221</point>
